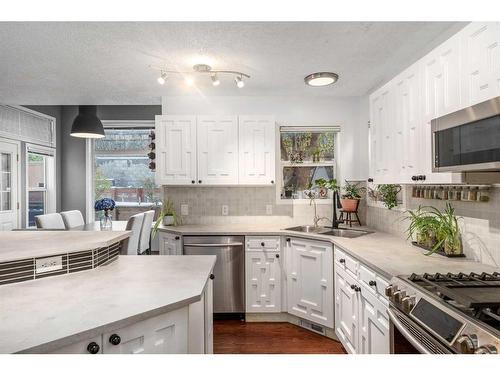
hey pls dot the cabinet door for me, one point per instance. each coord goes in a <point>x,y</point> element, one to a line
<point>346,311</point>
<point>81,347</point>
<point>169,244</point>
<point>374,324</point>
<point>256,150</point>
<point>263,281</point>
<point>175,150</point>
<point>163,334</point>
<point>480,58</point>
<point>217,150</point>
<point>209,317</point>
<point>310,281</point>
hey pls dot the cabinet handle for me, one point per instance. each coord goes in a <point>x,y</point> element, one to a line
<point>93,348</point>
<point>262,244</point>
<point>370,179</point>
<point>357,289</point>
<point>353,286</point>
<point>114,339</point>
<point>199,181</point>
<point>342,260</point>
<point>193,181</point>
<point>212,276</point>
<point>277,255</point>
<point>414,178</point>
<point>288,240</point>
<point>272,181</point>
<point>177,238</point>
<point>372,283</point>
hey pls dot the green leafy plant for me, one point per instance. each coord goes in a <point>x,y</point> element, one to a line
<point>448,234</point>
<point>101,184</point>
<point>388,194</point>
<point>166,210</point>
<point>288,145</point>
<point>328,184</point>
<point>423,226</point>
<point>352,190</point>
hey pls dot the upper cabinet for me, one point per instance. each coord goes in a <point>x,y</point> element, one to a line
<point>175,150</point>
<point>480,57</point>
<point>257,163</point>
<point>215,150</point>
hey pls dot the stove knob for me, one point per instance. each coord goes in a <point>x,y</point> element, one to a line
<point>398,296</point>
<point>467,344</point>
<point>407,303</point>
<point>389,290</point>
<point>486,349</point>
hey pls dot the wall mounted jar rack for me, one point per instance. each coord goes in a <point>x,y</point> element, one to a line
<point>464,193</point>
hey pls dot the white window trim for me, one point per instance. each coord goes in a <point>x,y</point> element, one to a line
<point>89,160</point>
<point>50,177</point>
<point>279,163</point>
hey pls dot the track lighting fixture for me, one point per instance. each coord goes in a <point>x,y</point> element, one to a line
<point>202,69</point>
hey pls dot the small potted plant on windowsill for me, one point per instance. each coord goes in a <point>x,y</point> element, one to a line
<point>352,195</point>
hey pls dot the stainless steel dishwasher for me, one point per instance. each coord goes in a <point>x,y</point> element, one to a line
<point>229,270</point>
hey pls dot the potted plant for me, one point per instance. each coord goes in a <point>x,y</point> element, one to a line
<point>448,234</point>
<point>288,191</point>
<point>352,195</point>
<point>167,216</point>
<point>423,226</point>
<point>388,194</point>
<point>107,205</point>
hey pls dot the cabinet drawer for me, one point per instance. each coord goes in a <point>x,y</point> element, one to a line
<point>260,243</point>
<point>346,262</point>
<point>372,281</point>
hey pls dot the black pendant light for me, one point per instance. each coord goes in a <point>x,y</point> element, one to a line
<point>87,124</point>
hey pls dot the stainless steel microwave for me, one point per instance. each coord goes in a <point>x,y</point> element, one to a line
<point>467,140</point>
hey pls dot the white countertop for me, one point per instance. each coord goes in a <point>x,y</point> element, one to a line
<point>385,253</point>
<point>35,243</point>
<point>41,315</point>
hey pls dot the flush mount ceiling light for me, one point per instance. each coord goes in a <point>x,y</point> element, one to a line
<point>321,79</point>
<point>87,124</point>
<point>203,69</point>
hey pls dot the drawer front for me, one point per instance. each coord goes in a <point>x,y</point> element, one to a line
<point>372,281</point>
<point>262,243</point>
<point>346,263</point>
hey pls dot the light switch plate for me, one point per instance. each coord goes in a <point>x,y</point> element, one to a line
<point>184,209</point>
<point>48,264</point>
<point>225,210</point>
<point>269,209</point>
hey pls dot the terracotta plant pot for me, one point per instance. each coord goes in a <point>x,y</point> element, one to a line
<point>349,205</point>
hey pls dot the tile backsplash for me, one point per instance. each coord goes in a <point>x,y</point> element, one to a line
<point>245,205</point>
<point>480,224</point>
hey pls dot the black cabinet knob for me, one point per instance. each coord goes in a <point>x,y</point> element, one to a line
<point>272,181</point>
<point>370,179</point>
<point>199,181</point>
<point>177,238</point>
<point>93,348</point>
<point>414,178</point>
<point>212,276</point>
<point>357,289</point>
<point>372,283</point>
<point>288,240</point>
<point>342,260</point>
<point>262,244</point>
<point>421,177</point>
<point>277,255</point>
<point>193,181</point>
<point>353,286</point>
<point>114,339</point>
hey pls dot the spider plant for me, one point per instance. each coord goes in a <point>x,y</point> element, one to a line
<point>423,226</point>
<point>448,235</point>
<point>166,210</point>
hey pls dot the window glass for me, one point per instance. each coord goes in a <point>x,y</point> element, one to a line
<point>37,165</point>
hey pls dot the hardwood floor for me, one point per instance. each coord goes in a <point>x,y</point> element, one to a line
<point>236,337</point>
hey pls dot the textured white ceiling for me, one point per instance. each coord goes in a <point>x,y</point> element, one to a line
<point>108,63</point>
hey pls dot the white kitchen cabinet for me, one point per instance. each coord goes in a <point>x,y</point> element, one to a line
<point>175,150</point>
<point>480,61</point>
<point>169,243</point>
<point>263,274</point>
<point>346,311</point>
<point>163,334</point>
<point>309,267</point>
<point>256,150</point>
<point>217,140</point>
<point>209,317</point>
<point>89,346</point>
<point>373,324</point>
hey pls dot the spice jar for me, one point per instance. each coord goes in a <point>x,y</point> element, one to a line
<point>445,193</point>
<point>473,194</point>
<point>465,193</point>
<point>483,194</point>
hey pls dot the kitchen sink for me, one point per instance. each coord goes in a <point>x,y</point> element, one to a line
<point>340,232</point>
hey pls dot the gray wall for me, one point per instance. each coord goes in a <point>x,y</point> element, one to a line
<point>71,151</point>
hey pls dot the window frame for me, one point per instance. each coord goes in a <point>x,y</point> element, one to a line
<point>280,164</point>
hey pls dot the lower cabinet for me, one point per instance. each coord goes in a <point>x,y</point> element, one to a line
<point>309,269</point>
<point>169,243</point>
<point>361,320</point>
<point>89,346</point>
<point>263,274</point>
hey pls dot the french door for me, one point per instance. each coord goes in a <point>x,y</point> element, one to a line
<point>9,185</point>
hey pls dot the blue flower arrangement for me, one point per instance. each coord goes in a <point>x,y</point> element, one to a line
<point>104,204</point>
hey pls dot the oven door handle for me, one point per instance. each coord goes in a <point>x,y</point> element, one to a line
<point>394,319</point>
<point>231,244</point>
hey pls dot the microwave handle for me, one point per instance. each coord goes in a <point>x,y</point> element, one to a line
<point>394,319</point>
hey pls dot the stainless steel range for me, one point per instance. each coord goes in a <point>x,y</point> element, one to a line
<point>445,313</point>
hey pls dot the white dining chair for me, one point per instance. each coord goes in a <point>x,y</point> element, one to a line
<point>72,219</point>
<point>50,221</point>
<point>146,231</point>
<point>131,245</point>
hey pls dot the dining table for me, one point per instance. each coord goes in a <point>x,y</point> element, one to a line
<point>116,225</point>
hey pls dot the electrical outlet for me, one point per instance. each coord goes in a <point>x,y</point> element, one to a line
<point>48,264</point>
<point>184,209</point>
<point>225,210</point>
<point>269,209</point>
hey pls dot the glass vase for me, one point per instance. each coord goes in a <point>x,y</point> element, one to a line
<point>106,222</point>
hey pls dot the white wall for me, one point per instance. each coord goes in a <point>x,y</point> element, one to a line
<point>350,113</point>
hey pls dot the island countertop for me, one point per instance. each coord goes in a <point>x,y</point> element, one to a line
<point>41,315</point>
<point>37,243</point>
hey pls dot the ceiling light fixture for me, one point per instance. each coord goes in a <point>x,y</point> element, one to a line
<point>321,79</point>
<point>202,69</point>
<point>215,80</point>
<point>239,82</point>
<point>162,78</point>
<point>87,124</point>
